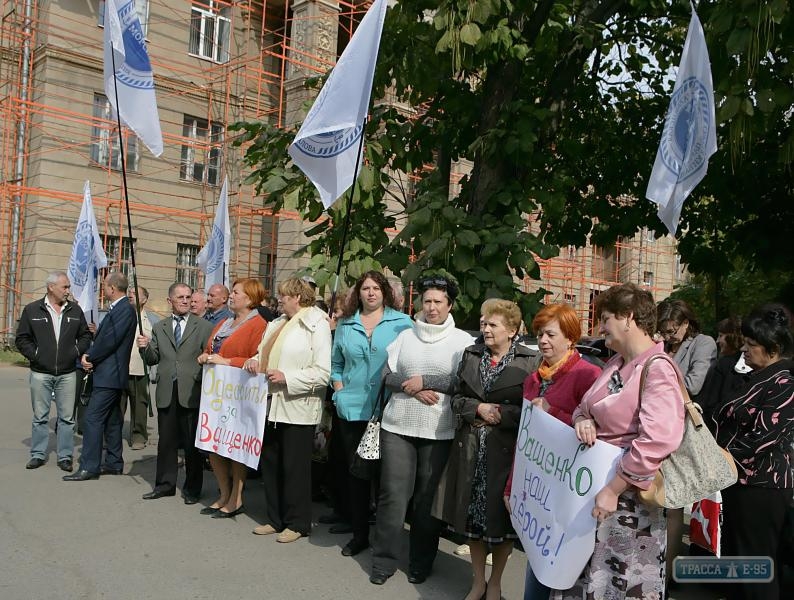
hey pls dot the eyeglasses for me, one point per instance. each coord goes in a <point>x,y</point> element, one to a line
<point>670,331</point>
<point>436,282</point>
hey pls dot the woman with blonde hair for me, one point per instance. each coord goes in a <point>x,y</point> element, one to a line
<point>232,342</point>
<point>295,355</point>
<point>487,409</point>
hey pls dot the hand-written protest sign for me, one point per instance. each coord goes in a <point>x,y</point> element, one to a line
<point>555,481</point>
<point>232,414</point>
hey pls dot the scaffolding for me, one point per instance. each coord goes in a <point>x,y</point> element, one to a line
<point>215,62</point>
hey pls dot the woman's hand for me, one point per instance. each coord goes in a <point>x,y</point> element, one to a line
<point>489,413</point>
<point>213,359</point>
<point>606,503</point>
<point>252,366</point>
<point>428,397</point>
<point>202,358</point>
<point>586,431</point>
<point>541,403</point>
<point>276,376</point>
<point>413,385</point>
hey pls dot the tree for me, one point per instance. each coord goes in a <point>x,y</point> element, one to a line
<point>557,107</point>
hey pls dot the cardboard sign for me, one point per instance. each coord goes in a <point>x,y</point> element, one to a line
<point>555,482</point>
<point>232,413</point>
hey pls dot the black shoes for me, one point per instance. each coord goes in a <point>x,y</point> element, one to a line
<point>416,577</point>
<point>81,475</point>
<point>219,514</point>
<point>354,547</point>
<point>65,464</point>
<point>34,463</point>
<point>109,471</point>
<point>378,578</point>
<point>158,493</point>
<point>341,528</point>
<point>209,510</point>
<point>190,498</point>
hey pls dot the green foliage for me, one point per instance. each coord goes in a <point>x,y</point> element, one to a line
<point>558,108</point>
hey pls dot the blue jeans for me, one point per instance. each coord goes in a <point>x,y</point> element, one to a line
<point>43,388</point>
<point>534,589</point>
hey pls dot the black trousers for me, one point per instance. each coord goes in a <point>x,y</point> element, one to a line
<point>339,469</point>
<point>177,427</point>
<point>287,475</point>
<point>752,525</point>
<point>358,490</point>
<point>410,468</point>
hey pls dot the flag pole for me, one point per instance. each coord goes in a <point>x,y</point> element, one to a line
<point>346,226</point>
<point>126,198</point>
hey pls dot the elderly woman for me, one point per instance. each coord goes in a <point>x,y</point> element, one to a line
<point>756,425</point>
<point>695,354</point>
<point>232,342</point>
<point>487,407</point>
<point>295,355</point>
<point>358,356</point>
<point>417,431</point>
<point>628,560</point>
<point>557,386</point>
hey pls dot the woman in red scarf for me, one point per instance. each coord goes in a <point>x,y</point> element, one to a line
<point>557,386</point>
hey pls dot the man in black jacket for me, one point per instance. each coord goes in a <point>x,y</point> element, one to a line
<point>52,334</point>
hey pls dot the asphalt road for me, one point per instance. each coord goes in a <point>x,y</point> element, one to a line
<point>99,539</point>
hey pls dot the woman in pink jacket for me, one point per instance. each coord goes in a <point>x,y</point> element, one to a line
<point>629,556</point>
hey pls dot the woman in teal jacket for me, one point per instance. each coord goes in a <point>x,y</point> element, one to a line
<point>358,356</point>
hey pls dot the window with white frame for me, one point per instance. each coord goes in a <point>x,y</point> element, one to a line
<point>105,138</point>
<point>210,30</point>
<point>119,259</point>
<point>187,265</point>
<point>141,7</point>
<point>201,151</point>
<point>647,278</point>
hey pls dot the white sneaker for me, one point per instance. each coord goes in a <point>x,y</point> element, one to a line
<point>462,550</point>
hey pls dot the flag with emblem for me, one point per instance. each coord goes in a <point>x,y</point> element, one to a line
<point>86,259</point>
<point>129,72</point>
<point>213,259</point>
<point>689,137</point>
<point>327,147</point>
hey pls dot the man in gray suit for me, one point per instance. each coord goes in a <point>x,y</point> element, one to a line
<point>175,345</point>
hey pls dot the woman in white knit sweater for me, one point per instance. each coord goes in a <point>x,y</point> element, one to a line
<point>417,431</point>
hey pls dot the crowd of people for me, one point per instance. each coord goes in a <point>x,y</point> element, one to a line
<point>449,405</point>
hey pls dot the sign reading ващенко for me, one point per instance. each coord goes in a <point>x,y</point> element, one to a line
<point>232,414</point>
<point>728,569</point>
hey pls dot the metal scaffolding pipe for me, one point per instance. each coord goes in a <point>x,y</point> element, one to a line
<point>19,171</point>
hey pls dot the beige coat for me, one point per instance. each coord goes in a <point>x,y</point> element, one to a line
<point>306,363</point>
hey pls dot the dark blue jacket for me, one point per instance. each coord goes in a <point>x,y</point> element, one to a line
<point>110,352</point>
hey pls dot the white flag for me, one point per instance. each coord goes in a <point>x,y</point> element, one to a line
<point>214,257</point>
<point>327,146</point>
<point>86,259</point>
<point>690,134</point>
<point>125,43</point>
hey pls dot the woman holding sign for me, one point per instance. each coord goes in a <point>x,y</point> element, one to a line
<point>487,408</point>
<point>295,355</point>
<point>557,386</point>
<point>232,342</point>
<point>631,538</point>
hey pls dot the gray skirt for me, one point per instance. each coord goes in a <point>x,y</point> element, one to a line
<point>629,556</point>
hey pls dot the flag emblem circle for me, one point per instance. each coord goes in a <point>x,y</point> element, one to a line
<point>215,250</point>
<point>685,137</point>
<point>83,250</point>
<point>136,71</point>
<point>328,145</point>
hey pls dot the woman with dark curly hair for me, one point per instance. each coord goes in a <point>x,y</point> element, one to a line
<point>369,324</point>
<point>756,425</point>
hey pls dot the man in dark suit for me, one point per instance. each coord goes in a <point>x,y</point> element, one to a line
<point>109,359</point>
<point>174,346</point>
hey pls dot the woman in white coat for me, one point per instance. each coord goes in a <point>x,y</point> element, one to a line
<point>295,355</point>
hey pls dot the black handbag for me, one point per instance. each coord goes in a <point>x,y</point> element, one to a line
<point>369,468</point>
<point>86,387</point>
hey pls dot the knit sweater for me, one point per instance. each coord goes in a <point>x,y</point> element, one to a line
<point>433,351</point>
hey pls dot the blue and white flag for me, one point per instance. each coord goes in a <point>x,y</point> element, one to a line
<point>125,43</point>
<point>214,257</point>
<point>86,259</point>
<point>327,146</point>
<point>689,137</point>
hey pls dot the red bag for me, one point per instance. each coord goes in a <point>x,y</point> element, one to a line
<point>704,525</point>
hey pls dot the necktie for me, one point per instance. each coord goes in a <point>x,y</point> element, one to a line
<point>178,330</point>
